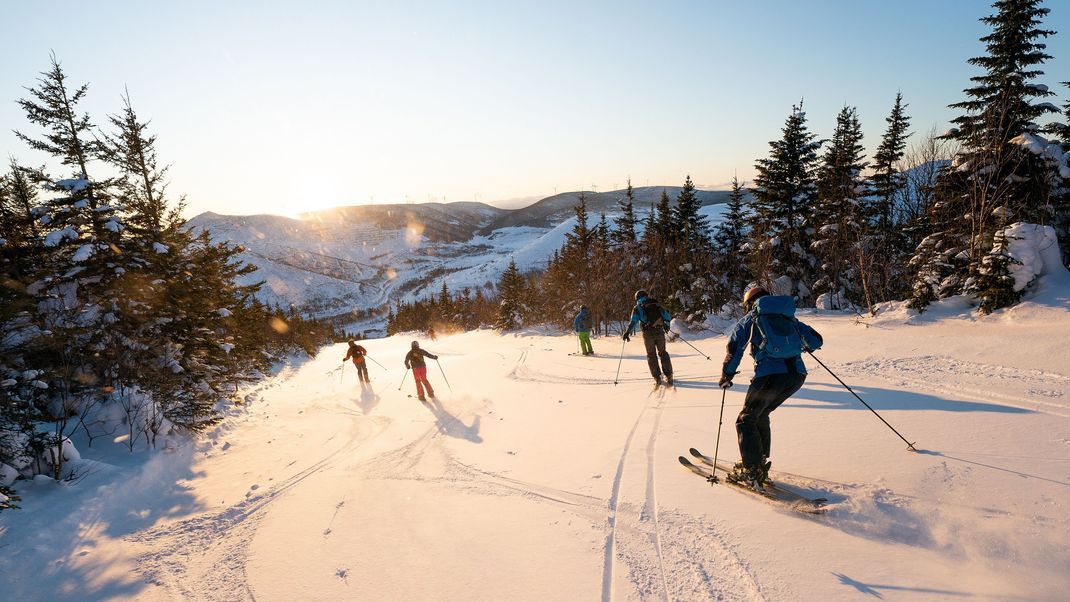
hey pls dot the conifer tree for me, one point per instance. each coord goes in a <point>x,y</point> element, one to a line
<point>837,216</point>
<point>624,224</point>
<point>729,239</point>
<point>1004,172</point>
<point>784,194</point>
<point>883,262</point>
<point>512,305</point>
<point>690,267</point>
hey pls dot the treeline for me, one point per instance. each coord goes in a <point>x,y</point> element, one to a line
<point>445,312</point>
<point>114,318</point>
<point>835,230</point>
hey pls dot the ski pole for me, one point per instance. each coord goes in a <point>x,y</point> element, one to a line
<point>342,372</point>
<point>403,378</point>
<point>619,361</point>
<point>717,446</point>
<point>377,363</point>
<point>444,375</point>
<point>910,445</point>
<point>692,346</point>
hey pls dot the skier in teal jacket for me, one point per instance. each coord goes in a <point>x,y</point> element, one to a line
<point>582,325</point>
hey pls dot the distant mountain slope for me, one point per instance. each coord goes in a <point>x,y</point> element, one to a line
<point>550,211</point>
<point>440,222</point>
<point>366,257</point>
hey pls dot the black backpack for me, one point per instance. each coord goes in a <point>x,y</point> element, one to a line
<point>652,312</point>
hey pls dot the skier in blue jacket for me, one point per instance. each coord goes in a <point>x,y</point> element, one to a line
<point>777,341</point>
<point>582,325</point>
<point>653,321</point>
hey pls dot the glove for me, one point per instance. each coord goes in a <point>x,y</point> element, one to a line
<point>666,327</point>
<point>627,337</point>
<point>725,382</point>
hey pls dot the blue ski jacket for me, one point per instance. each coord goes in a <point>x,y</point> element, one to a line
<point>640,317</point>
<point>746,332</point>
<point>582,323</point>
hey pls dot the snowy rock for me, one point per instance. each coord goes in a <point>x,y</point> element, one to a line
<point>1037,248</point>
<point>7,475</point>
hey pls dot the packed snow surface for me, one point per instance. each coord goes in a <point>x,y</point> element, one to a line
<point>532,477</point>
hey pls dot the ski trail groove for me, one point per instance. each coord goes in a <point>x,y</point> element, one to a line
<point>610,548</point>
<point>652,496</point>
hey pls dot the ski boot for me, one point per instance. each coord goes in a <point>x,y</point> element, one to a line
<point>668,380</point>
<point>746,476</point>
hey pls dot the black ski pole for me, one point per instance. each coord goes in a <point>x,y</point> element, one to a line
<point>910,445</point>
<point>444,375</point>
<point>717,446</point>
<point>622,343</point>
<point>403,378</point>
<point>692,346</point>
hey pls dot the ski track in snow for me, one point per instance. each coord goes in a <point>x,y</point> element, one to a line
<point>212,548</point>
<point>1002,383</point>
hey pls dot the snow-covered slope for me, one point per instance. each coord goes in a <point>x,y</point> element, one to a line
<point>331,262</point>
<point>533,477</point>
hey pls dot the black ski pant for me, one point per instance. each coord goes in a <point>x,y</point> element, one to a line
<point>362,373</point>
<point>764,395</point>
<point>654,341</point>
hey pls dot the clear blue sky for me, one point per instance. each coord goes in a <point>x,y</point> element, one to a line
<point>284,106</point>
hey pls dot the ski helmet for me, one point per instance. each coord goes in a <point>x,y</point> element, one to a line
<point>416,344</point>
<point>639,294</point>
<point>753,294</point>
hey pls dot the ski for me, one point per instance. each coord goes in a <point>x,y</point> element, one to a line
<point>771,492</point>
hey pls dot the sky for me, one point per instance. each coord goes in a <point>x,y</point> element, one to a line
<point>284,107</point>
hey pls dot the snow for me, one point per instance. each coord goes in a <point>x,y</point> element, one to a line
<point>160,248</point>
<point>73,184</point>
<point>83,253</point>
<point>54,238</point>
<point>535,478</point>
<point>223,312</point>
<point>7,475</point>
<point>1037,249</point>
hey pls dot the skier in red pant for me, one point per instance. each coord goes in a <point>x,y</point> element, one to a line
<point>415,359</point>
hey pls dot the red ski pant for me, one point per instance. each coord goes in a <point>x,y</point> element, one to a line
<point>419,374</point>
